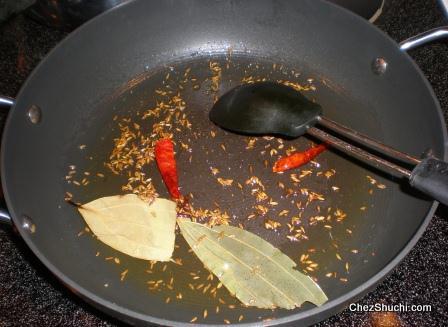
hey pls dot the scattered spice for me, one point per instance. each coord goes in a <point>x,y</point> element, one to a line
<point>216,76</point>
<point>225,182</point>
<point>123,274</point>
<point>271,224</point>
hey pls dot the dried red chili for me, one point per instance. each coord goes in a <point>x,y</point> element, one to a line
<point>164,152</point>
<point>298,159</point>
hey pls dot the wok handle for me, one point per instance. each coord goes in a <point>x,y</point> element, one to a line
<point>428,36</point>
<point>5,104</point>
<point>5,218</point>
<point>424,38</point>
<point>431,177</point>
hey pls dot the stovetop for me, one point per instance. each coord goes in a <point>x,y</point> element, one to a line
<point>31,296</point>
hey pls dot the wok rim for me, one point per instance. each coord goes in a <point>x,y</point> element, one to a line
<point>121,313</point>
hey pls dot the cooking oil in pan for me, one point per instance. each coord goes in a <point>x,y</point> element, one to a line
<point>316,214</point>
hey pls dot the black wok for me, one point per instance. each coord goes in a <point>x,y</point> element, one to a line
<point>107,67</point>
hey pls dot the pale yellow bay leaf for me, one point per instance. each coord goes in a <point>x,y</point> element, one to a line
<point>132,226</point>
<point>256,272</point>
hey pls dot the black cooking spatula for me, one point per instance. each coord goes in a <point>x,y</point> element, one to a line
<point>268,108</point>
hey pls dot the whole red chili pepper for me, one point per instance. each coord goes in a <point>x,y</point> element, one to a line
<point>298,159</point>
<point>164,152</point>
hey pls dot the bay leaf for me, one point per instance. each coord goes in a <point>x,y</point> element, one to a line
<point>132,226</point>
<point>256,272</point>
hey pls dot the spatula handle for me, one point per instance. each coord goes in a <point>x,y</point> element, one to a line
<point>360,154</point>
<point>367,141</point>
<point>430,176</point>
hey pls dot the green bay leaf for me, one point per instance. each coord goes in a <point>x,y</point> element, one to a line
<point>256,272</point>
<point>132,226</point>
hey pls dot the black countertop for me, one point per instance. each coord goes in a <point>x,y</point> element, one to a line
<point>31,296</point>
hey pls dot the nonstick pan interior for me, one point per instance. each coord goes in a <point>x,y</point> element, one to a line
<point>375,229</point>
<point>343,246</point>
